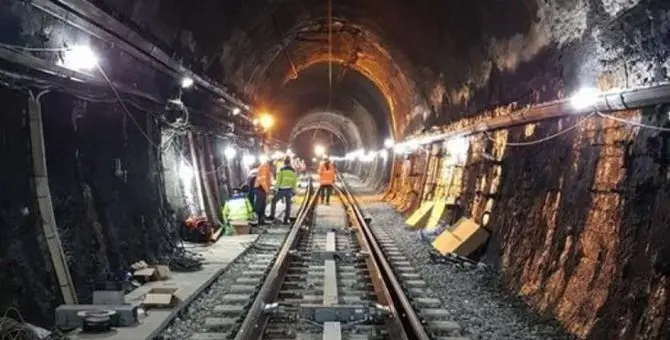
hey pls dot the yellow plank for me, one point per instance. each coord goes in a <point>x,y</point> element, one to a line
<point>436,214</point>
<point>418,217</point>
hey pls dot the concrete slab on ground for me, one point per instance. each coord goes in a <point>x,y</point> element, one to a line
<point>216,257</point>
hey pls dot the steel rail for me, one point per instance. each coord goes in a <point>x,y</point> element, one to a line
<point>411,322</point>
<point>376,275</point>
<point>254,323</point>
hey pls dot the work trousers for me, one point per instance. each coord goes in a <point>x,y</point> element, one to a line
<point>326,191</point>
<point>282,193</point>
<point>260,197</point>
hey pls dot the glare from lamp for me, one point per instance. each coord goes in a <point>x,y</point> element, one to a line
<point>185,172</point>
<point>388,143</point>
<point>278,155</point>
<point>319,150</point>
<point>266,121</point>
<point>186,82</point>
<point>458,147</point>
<point>236,111</point>
<point>383,154</point>
<point>79,58</point>
<point>584,98</point>
<point>263,158</point>
<point>248,160</point>
<point>290,153</point>
<point>229,152</point>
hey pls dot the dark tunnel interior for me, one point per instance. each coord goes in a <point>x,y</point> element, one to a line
<point>116,157</point>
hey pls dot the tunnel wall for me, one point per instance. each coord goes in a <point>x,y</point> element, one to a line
<point>579,222</point>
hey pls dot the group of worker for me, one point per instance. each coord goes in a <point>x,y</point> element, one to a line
<point>249,202</point>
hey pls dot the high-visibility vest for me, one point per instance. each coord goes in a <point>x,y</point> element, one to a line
<point>238,208</point>
<point>287,178</point>
<point>264,177</point>
<point>326,176</point>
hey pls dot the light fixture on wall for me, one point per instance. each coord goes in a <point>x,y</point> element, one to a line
<point>236,111</point>
<point>79,58</point>
<point>388,143</point>
<point>186,82</point>
<point>584,98</point>
<point>229,152</point>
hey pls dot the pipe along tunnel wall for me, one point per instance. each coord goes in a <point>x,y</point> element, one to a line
<point>579,222</point>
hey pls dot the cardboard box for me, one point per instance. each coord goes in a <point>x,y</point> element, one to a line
<point>465,238</point>
<point>162,297</point>
<point>162,272</point>
<point>240,227</point>
<point>155,273</point>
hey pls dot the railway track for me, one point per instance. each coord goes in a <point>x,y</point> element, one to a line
<point>333,278</point>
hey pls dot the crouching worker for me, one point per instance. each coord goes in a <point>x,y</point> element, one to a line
<point>287,180</point>
<point>237,209</point>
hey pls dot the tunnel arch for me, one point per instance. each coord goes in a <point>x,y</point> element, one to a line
<point>342,127</point>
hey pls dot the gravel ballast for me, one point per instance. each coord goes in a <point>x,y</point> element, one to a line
<point>192,319</point>
<point>471,293</point>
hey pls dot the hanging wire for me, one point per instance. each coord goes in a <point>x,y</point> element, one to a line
<point>35,49</point>
<point>125,108</point>
<point>542,140</point>
<point>629,122</point>
<point>330,52</point>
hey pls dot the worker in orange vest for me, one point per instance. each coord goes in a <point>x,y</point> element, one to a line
<point>262,189</point>
<point>326,179</point>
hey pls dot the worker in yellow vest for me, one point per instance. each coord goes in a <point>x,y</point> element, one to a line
<point>237,209</point>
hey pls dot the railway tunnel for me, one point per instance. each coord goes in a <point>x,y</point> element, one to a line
<point>542,123</point>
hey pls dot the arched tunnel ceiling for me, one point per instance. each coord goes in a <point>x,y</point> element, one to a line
<point>339,125</point>
<point>448,58</point>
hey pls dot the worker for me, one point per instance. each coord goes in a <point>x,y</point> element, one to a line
<point>237,209</point>
<point>287,179</point>
<point>251,181</point>
<point>326,179</point>
<point>262,188</point>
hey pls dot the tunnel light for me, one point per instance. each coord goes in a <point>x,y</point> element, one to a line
<point>388,143</point>
<point>266,121</point>
<point>584,98</point>
<point>236,111</point>
<point>314,159</point>
<point>185,172</point>
<point>229,152</point>
<point>263,158</point>
<point>412,145</point>
<point>289,152</point>
<point>79,58</point>
<point>278,155</point>
<point>367,158</point>
<point>350,156</point>
<point>319,150</point>
<point>400,148</point>
<point>457,147</point>
<point>186,82</point>
<point>383,154</point>
<point>248,160</point>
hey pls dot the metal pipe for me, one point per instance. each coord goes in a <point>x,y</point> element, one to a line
<point>609,101</point>
<point>44,202</point>
<point>104,26</point>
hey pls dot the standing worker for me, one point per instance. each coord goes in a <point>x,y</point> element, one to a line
<point>251,183</point>
<point>262,189</point>
<point>287,179</point>
<point>237,209</point>
<point>326,179</point>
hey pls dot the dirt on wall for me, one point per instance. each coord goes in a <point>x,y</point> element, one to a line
<point>581,226</point>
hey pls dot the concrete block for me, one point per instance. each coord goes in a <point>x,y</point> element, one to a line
<point>109,297</point>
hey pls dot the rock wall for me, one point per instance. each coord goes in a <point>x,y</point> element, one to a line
<point>106,185</point>
<point>579,221</point>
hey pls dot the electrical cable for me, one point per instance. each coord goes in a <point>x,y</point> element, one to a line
<point>35,49</point>
<point>625,121</point>
<point>542,140</point>
<point>125,108</point>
